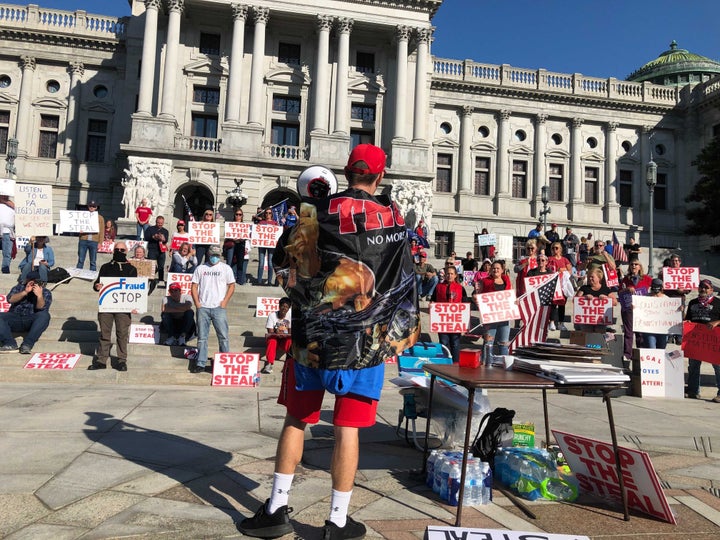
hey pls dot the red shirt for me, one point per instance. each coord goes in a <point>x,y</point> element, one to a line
<point>449,292</point>
<point>143,214</point>
<point>488,284</point>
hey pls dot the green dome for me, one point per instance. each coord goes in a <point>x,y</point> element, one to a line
<point>677,67</point>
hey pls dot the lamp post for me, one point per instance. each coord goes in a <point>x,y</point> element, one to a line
<point>12,152</point>
<point>651,181</point>
<point>545,211</point>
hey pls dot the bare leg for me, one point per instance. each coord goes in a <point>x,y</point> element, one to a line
<point>290,446</point>
<point>345,458</point>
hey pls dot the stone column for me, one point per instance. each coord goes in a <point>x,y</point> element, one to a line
<point>576,172</point>
<point>341,84</point>
<point>147,69</point>
<point>402,35</point>
<point>466,138</point>
<point>503,181</point>
<point>175,7</point>
<point>77,70</point>
<point>421,91</point>
<point>611,201</point>
<point>321,88</point>
<point>232,110</point>
<point>24,106</point>
<point>260,18</point>
<point>540,173</point>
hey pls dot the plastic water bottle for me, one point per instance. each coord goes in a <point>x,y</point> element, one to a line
<point>559,488</point>
<point>471,483</point>
<point>445,480</point>
<point>430,468</point>
<point>437,472</point>
<point>454,484</point>
<point>487,482</point>
<point>527,485</point>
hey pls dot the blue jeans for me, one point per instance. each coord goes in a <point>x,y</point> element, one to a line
<point>141,230</point>
<point>693,383</point>
<point>181,326</point>
<point>85,246</point>
<point>201,253</point>
<point>239,267</point>
<point>654,341</point>
<point>452,342</point>
<point>426,286</point>
<point>42,270</point>
<point>218,316</point>
<point>34,325</point>
<point>7,244</point>
<point>262,254</point>
<point>500,332</point>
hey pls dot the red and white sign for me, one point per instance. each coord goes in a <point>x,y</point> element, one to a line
<point>266,236</point>
<point>266,305</point>
<point>145,333</point>
<point>593,463</point>
<point>449,317</point>
<point>237,230</point>
<point>468,277</point>
<point>185,281</point>
<point>203,232</point>
<point>106,246</point>
<point>533,282</point>
<point>684,278</point>
<point>4,304</point>
<point>701,343</point>
<point>592,310</point>
<point>661,375</point>
<point>481,533</point>
<point>178,239</point>
<point>497,306</point>
<point>53,361</point>
<point>132,244</point>
<point>611,276</point>
<point>236,369</point>
<point>657,314</point>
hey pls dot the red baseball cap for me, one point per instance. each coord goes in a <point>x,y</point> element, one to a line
<point>180,222</point>
<point>174,286</point>
<point>373,156</point>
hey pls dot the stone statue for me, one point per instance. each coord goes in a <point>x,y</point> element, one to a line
<point>147,178</point>
<point>414,200</point>
<point>129,198</point>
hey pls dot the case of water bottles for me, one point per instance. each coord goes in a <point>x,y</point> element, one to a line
<point>533,473</point>
<point>443,476</point>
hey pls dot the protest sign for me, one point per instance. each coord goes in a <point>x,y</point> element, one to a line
<point>497,306</point>
<point>504,247</point>
<point>106,246</point>
<point>266,305</point>
<point>237,230</point>
<point>21,242</point>
<point>611,276</point>
<point>533,282</point>
<point>266,236</point>
<point>657,314</point>
<point>145,267</point>
<point>33,210</point>
<point>486,240</point>
<point>594,465</point>
<point>684,278</point>
<point>203,232</point>
<point>53,361</point>
<point>701,343</point>
<point>78,221</point>
<point>132,244</point>
<point>592,310</point>
<point>236,369</point>
<point>122,295</point>
<point>481,533</point>
<point>177,240</point>
<point>4,304</point>
<point>468,277</point>
<point>7,187</point>
<point>88,275</point>
<point>145,333</point>
<point>449,317</point>
<point>185,281</point>
<point>661,375</point>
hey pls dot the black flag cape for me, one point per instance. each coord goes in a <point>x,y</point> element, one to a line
<point>346,266</point>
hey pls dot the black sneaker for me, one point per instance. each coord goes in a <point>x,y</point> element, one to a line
<point>264,525</point>
<point>351,531</point>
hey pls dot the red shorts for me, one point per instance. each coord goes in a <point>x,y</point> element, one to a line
<point>351,410</point>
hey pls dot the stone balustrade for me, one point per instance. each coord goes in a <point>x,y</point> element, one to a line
<point>76,23</point>
<point>294,153</point>
<point>197,144</point>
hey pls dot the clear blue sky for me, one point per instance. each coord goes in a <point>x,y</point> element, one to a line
<point>600,38</point>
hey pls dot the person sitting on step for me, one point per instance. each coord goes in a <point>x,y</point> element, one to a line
<point>278,334</point>
<point>178,318</point>
<point>29,312</point>
<point>39,257</point>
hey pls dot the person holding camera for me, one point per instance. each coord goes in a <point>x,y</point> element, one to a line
<point>39,257</point>
<point>157,237</point>
<point>29,312</point>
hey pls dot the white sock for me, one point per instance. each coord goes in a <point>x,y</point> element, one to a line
<point>339,503</point>
<point>280,491</point>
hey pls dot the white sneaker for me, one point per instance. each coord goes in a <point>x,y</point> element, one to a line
<point>267,368</point>
<point>552,327</point>
<point>563,327</point>
<point>181,341</point>
<point>170,341</point>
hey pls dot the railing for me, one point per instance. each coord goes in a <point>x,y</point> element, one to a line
<point>77,23</point>
<point>295,153</point>
<point>540,79</point>
<point>197,144</point>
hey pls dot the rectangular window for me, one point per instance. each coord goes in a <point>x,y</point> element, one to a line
<point>365,62</point>
<point>482,176</point>
<point>358,136</point>
<point>625,188</point>
<point>444,244</point>
<point>4,130</point>
<point>660,198</point>
<point>285,134</point>
<point>362,111</point>
<point>443,174</point>
<point>96,141</point>
<point>49,129</point>
<point>289,53</point>
<point>556,181</point>
<point>591,185</point>
<point>206,95</point>
<point>286,104</point>
<point>204,125</point>
<point>519,180</point>
<point>210,43</point>
<point>716,130</point>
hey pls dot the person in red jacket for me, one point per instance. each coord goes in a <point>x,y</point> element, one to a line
<point>450,290</point>
<point>498,333</point>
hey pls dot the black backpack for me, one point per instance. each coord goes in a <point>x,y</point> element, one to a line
<point>495,427</point>
<point>58,274</point>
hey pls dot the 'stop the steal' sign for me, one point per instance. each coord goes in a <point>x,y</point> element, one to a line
<point>78,221</point>
<point>266,236</point>
<point>464,533</point>
<point>203,232</point>
<point>449,317</point>
<point>236,369</point>
<point>684,278</point>
<point>123,295</point>
<point>592,310</point>
<point>498,306</point>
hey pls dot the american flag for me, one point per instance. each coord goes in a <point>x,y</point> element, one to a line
<point>187,209</point>
<point>618,250</point>
<point>535,307</point>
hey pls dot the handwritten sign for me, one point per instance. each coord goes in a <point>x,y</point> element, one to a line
<point>486,240</point>
<point>661,375</point>
<point>145,333</point>
<point>145,267</point>
<point>481,533</point>
<point>611,276</point>
<point>468,277</point>
<point>266,236</point>
<point>87,275</point>
<point>106,246</point>
<point>236,369</point>
<point>122,295</point>
<point>4,304</point>
<point>237,230</point>
<point>203,232</point>
<point>683,278</point>
<point>533,282</point>
<point>21,241</point>
<point>594,465</point>
<point>449,317</point>
<point>53,361</point>
<point>177,240</point>
<point>185,281</point>
<point>701,343</point>
<point>657,314</point>
<point>497,306</point>
<point>504,247</point>
<point>592,310</point>
<point>266,305</point>
<point>132,244</point>
<point>33,210</point>
<point>78,221</point>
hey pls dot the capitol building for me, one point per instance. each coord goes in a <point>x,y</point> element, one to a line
<point>203,99</point>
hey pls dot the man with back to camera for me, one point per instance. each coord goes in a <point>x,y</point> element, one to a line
<point>29,312</point>
<point>354,304</point>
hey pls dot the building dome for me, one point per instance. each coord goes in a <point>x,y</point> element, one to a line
<point>677,67</point>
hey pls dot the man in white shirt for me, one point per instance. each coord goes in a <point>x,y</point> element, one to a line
<point>213,284</point>
<point>7,229</point>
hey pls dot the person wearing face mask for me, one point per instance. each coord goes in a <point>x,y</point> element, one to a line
<point>704,309</point>
<point>117,267</point>
<point>213,284</point>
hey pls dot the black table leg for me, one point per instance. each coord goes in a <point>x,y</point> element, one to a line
<point>466,449</point>
<point>618,464</point>
<point>547,421</point>
<point>427,425</point>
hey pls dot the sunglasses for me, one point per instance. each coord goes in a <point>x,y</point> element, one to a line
<point>121,250</point>
<point>238,213</point>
